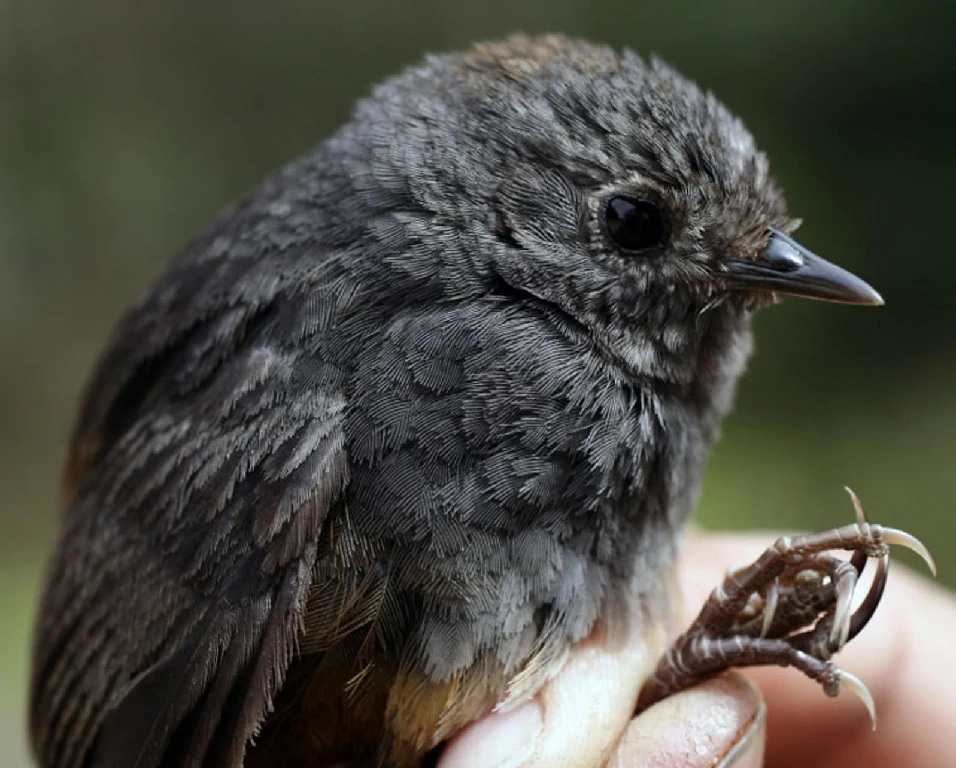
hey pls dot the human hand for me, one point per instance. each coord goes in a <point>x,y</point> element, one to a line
<point>901,657</point>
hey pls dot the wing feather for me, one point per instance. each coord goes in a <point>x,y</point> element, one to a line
<point>206,462</point>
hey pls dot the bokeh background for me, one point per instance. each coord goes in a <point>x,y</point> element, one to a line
<point>124,127</point>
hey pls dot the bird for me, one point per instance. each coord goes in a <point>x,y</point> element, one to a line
<point>403,426</point>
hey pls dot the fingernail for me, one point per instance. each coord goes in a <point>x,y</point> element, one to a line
<point>498,740</point>
<point>749,749</point>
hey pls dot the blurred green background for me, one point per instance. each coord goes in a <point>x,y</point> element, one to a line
<point>124,127</point>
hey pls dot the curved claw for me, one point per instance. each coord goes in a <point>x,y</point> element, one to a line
<point>868,607</point>
<point>840,631</point>
<point>858,560</point>
<point>904,539</point>
<point>855,686</point>
<point>857,506</point>
<point>890,536</point>
<point>859,557</point>
<point>773,593</point>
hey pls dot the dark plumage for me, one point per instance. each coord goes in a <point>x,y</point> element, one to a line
<point>391,436</point>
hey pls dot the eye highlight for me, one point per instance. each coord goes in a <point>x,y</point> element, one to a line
<point>635,225</point>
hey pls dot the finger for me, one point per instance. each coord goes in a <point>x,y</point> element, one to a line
<point>898,657</point>
<point>903,657</point>
<point>576,719</point>
<point>720,722</point>
<point>500,740</point>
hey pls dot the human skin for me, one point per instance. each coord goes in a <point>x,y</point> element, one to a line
<point>901,657</point>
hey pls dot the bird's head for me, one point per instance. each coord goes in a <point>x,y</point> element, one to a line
<point>614,190</point>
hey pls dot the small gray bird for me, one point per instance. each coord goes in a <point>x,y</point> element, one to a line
<point>407,423</point>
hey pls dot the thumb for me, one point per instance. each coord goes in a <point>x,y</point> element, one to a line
<point>719,722</point>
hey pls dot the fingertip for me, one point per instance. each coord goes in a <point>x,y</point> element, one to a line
<point>500,739</point>
<point>720,722</point>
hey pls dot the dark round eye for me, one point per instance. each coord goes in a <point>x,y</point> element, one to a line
<point>635,224</point>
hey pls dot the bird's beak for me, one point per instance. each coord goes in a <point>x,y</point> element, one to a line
<point>785,266</point>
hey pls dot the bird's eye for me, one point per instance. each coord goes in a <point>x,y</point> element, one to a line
<point>634,224</point>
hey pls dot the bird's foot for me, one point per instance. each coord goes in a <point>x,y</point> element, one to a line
<point>791,607</point>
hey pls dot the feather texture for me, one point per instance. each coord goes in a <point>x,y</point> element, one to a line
<point>383,443</point>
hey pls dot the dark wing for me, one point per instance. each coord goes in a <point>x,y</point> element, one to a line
<point>208,454</point>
